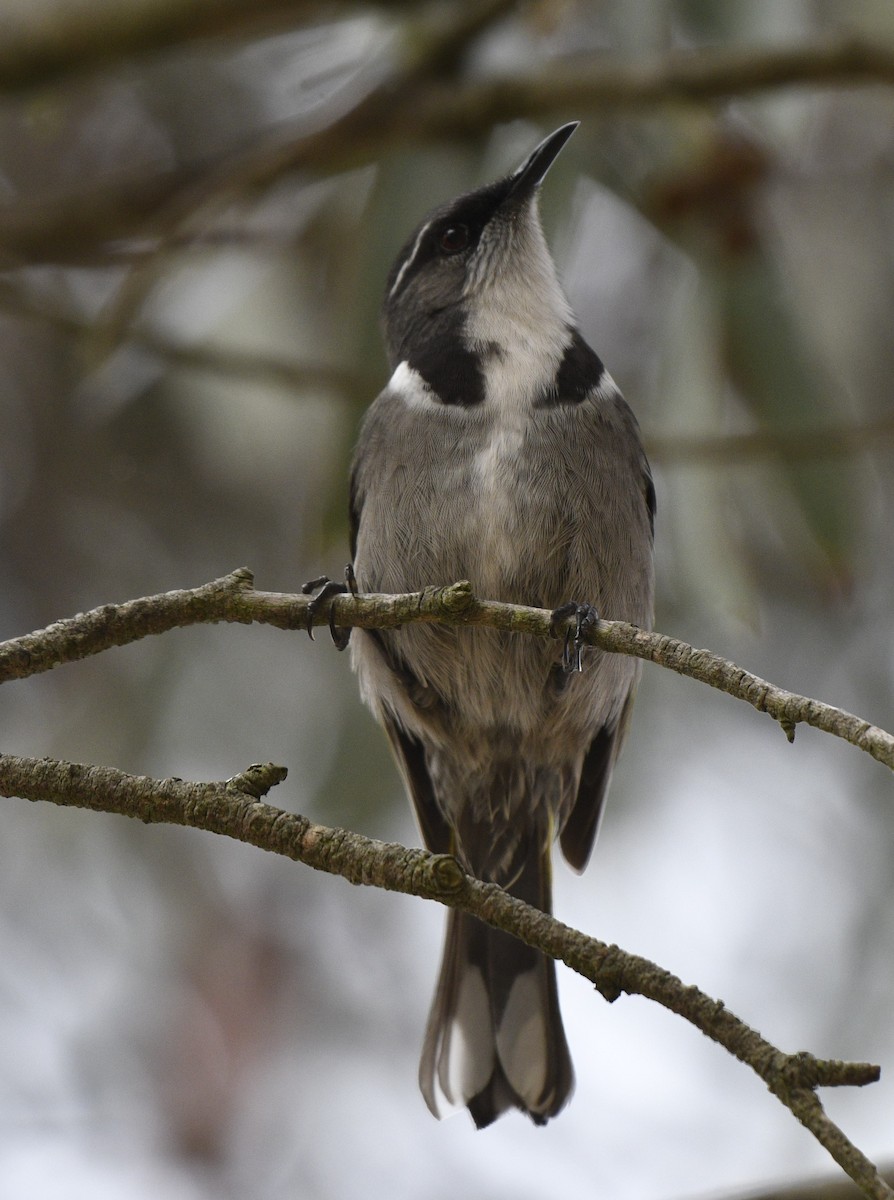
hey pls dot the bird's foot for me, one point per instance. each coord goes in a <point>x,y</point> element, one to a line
<point>327,589</point>
<point>585,618</point>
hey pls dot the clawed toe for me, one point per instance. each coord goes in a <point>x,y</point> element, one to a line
<point>340,636</point>
<point>327,589</point>
<point>585,618</point>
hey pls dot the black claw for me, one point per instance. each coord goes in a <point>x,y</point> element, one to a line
<point>585,618</point>
<point>328,589</point>
<point>570,662</point>
<point>340,637</point>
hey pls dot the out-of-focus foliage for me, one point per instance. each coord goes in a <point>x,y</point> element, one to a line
<point>194,241</point>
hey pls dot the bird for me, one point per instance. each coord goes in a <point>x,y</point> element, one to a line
<point>500,452</point>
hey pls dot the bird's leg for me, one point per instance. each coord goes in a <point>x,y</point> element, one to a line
<point>327,589</point>
<point>585,617</point>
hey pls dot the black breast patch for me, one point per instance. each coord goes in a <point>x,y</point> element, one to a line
<point>434,346</point>
<point>579,372</point>
<point>452,372</point>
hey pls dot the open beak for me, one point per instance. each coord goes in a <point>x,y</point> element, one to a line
<point>528,177</point>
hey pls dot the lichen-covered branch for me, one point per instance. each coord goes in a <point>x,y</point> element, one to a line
<point>233,598</point>
<point>234,809</point>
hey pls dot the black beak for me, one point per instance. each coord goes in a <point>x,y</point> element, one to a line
<point>528,177</point>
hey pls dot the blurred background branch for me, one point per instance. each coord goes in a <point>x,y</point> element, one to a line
<point>834,442</point>
<point>420,101</point>
<point>46,41</point>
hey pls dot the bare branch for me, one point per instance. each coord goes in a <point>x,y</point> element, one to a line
<point>234,809</point>
<point>233,598</point>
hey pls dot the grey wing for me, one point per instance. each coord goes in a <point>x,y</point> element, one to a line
<point>579,831</point>
<point>409,752</point>
<point>410,755</point>
<point>353,511</point>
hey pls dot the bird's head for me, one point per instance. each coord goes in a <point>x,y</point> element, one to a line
<point>476,262</point>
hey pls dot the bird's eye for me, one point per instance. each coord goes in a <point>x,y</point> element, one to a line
<point>454,238</point>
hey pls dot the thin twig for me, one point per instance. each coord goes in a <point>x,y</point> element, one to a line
<point>233,598</point>
<point>234,809</point>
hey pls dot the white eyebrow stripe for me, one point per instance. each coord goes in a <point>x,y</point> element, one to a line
<point>410,258</point>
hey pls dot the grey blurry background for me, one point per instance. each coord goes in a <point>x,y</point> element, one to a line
<point>194,240</point>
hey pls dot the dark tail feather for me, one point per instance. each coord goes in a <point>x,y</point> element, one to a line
<point>495,1039</point>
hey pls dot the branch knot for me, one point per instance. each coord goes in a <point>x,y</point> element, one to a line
<point>455,597</point>
<point>446,875</point>
<point>257,780</point>
<point>608,973</point>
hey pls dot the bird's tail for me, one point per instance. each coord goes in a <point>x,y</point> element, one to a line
<point>495,1038</point>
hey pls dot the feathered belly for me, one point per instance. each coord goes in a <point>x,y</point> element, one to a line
<point>525,523</point>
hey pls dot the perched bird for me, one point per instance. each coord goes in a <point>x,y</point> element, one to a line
<point>501,452</point>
